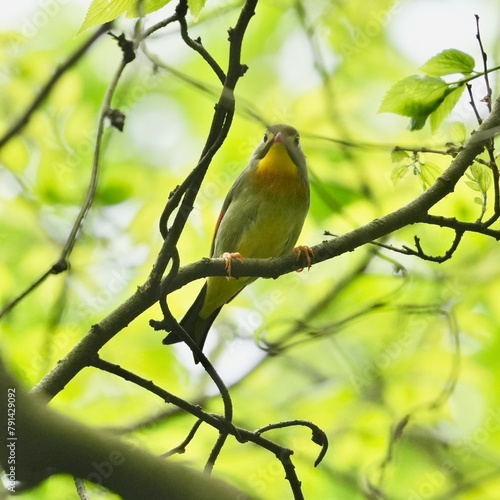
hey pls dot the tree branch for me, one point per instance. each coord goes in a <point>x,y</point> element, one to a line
<point>185,195</point>
<point>458,225</point>
<point>147,295</point>
<point>62,263</point>
<point>23,120</point>
<point>48,443</point>
<point>226,428</point>
<point>196,45</point>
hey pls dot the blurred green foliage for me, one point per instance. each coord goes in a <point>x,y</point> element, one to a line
<point>361,340</point>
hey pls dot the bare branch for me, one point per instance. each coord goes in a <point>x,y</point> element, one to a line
<point>23,120</point>
<point>318,435</point>
<point>185,195</point>
<point>196,45</point>
<point>159,25</point>
<point>484,57</point>
<point>227,428</point>
<point>181,448</point>
<point>48,443</point>
<point>449,151</point>
<point>457,225</point>
<point>419,252</point>
<point>472,102</point>
<point>62,263</point>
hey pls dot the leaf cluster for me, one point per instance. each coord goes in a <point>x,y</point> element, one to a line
<point>428,96</point>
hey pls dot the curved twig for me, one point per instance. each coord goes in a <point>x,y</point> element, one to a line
<point>181,448</point>
<point>318,435</point>
<point>62,263</point>
<point>24,119</point>
<point>152,29</point>
<point>185,195</point>
<point>221,424</point>
<point>458,225</point>
<point>196,45</point>
<point>420,253</point>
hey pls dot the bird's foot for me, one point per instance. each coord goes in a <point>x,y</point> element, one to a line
<point>228,257</point>
<point>304,250</point>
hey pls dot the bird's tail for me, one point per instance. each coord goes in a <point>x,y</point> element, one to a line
<point>196,326</point>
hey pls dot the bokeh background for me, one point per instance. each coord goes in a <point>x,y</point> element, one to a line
<point>359,342</point>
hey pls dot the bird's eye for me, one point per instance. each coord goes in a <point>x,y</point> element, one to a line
<point>296,140</point>
<point>265,138</point>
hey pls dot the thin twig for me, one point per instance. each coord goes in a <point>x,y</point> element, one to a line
<point>419,252</point>
<point>458,225</point>
<point>221,123</point>
<point>484,57</point>
<point>395,434</point>
<point>197,352</point>
<point>490,147</point>
<point>215,451</point>
<point>448,152</point>
<point>219,423</point>
<point>186,193</point>
<point>181,448</point>
<point>472,102</point>
<point>62,263</point>
<point>318,435</point>
<point>161,24</point>
<point>496,188</point>
<point>197,46</point>
<point>32,287</point>
<point>23,120</point>
<point>80,489</point>
<point>94,178</point>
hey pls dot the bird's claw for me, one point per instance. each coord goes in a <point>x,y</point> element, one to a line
<point>228,257</point>
<point>307,251</point>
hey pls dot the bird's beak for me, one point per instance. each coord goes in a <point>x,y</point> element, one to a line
<point>278,138</point>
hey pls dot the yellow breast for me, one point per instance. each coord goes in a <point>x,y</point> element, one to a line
<point>277,163</point>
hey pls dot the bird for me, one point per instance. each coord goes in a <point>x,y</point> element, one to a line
<point>261,217</point>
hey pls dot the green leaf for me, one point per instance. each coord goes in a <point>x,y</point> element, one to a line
<point>398,173</point>
<point>458,133</point>
<point>445,107</point>
<point>331,197</point>
<point>415,96</point>
<point>484,180</point>
<point>195,7</point>
<point>418,122</point>
<point>480,178</point>
<point>398,156</point>
<point>429,172</point>
<point>113,194</point>
<point>103,11</point>
<point>147,7</point>
<point>449,62</point>
<point>473,185</point>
